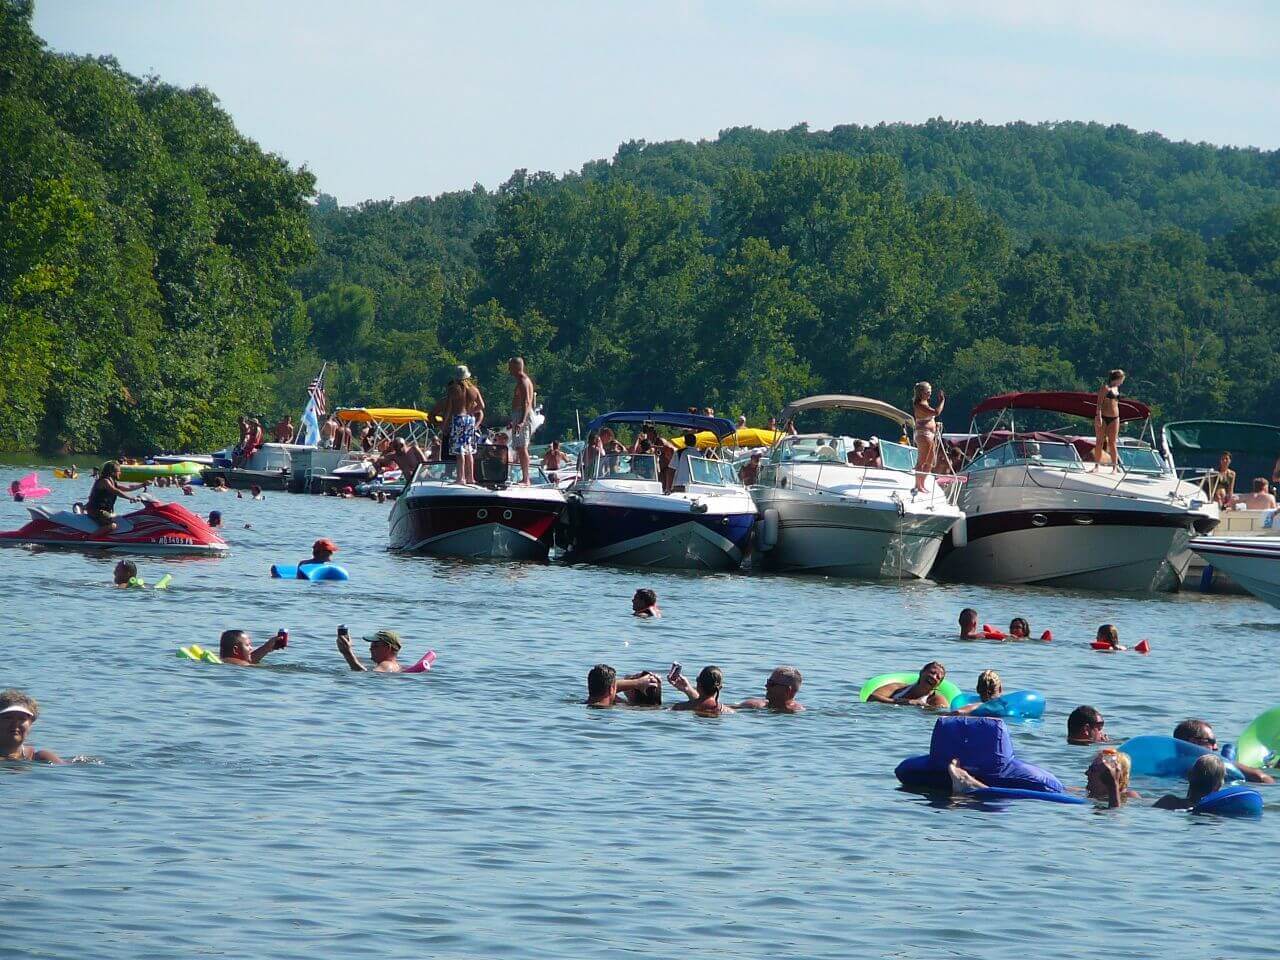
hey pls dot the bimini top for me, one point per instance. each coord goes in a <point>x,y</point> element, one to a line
<point>1212,436</point>
<point>840,401</point>
<point>1071,402</point>
<point>394,415</point>
<point>720,426</point>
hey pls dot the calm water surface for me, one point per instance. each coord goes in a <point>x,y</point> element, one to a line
<point>300,810</point>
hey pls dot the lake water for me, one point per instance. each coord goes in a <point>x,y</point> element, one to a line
<point>300,810</point>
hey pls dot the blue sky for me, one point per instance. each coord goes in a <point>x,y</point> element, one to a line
<point>397,98</point>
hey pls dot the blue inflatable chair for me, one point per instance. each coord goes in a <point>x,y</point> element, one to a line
<point>983,747</point>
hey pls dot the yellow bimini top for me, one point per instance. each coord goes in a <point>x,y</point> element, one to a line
<point>746,437</point>
<point>396,416</point>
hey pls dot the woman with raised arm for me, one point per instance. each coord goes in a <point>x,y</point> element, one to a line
<point>926,431</point>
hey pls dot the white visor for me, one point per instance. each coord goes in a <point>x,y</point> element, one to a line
<point>18,708</point>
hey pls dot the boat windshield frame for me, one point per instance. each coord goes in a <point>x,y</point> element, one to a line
<point>1023,456</point>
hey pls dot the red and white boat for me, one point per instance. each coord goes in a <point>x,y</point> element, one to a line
<point>494,519</point>
<point>156,528</point>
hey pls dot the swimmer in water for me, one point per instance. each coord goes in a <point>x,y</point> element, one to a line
<point>1084,727</point>
<point>604,687</point>
<point>1206,776</point>
<point>255,491</point>
<point>969,629</point>
<point>236,649</point>
<point>989,687</point>
<point>384,647</point>
<point>645,604</point>
<point>1200,733</point>
<point>322,551</point>
<point>125,573</point>
<point>704,700</point>
<point>779,693</point>
<point>17,713</point>
<point>1108,634</point>
<point>922,693</point>
<point>215,518</point>
<point>1107,778</point>
<point>1019,629</point>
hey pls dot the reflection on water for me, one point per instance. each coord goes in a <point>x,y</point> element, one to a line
<point>300,810</point>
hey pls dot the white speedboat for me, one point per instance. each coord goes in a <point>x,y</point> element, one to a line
<point>497,518</point>
<point>1036,512</point>
<point>821,513</point>
<point>620,513</point>
<point>1251,562</point>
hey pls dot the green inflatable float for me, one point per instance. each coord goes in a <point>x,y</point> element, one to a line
<point>948,689</point>
<point>1260,741</point>
<point>138,472</point>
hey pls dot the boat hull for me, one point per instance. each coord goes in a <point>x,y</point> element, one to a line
<point>846,539</point>
<point>652,535</point>
<point>444,520</point>
<point>1254,567</point>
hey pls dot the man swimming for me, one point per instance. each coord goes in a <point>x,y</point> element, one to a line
<point>384,647</point>
<point>235,648</point>
<point>604,687</point>
<point>1084,727</point>
<point>969,629</point>
<point>645,604</point>
<point>922,693</point>
<point>125,573</point>
<point>779,693</point>
<point>17,713</point>
<point>322,551</point>
<point>1200,733</point>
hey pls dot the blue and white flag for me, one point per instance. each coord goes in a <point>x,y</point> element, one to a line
<point>310,424</point>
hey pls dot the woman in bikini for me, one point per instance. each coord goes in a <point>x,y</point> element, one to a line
<point>926,431</point>
<point>1106,423</point>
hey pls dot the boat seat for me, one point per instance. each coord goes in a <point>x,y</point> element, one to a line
<point>77,521</point>
<point>492,470</point>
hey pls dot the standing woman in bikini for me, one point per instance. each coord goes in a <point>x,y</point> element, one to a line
<point>1106,422</point>
<point>926,432</point>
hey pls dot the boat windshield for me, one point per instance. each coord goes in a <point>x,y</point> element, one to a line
<point>1142,460</point>
<point>447,470</point>
<point>713,473</point>
<point>821,449</point>
<point>898,456</point>
<point>626,466</point>
<point>1038,453</point>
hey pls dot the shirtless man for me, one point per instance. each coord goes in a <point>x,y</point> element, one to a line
<point>384,647</point>
<point>521,423</point>
<point>969,629</point>
<point>645,604</point>
<point>604,687</point>
<point>283,432</point>
<point>407,457</point>
<point>236,649</point>
<point>1200,733</point>
<point>922,693</point>
<point>464,413</point>
<point>553,460</point>
<point>779,693</point>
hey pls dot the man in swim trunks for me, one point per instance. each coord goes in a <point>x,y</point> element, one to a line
<point>779,693</point>
<point>1084,727</point>
<point>322,551</point>
<point>17,713</point>
<point>283,432</point>
<point>521,424</point>
<point>328,431</point>
<point>922,693</point>
<point>407,458</point>
<point>1201,734</point>
<point>604,687</point>
<point>645,604</point>
<point>464,413</point>
<point>384,647</point>
<point>236,649</point>
<point>969,629</point>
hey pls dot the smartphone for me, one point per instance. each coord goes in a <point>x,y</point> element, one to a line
<point>342,630</point>
<point>675,672</point>
<point>283,634</point>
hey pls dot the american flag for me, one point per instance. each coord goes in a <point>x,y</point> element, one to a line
<point>315,390</point>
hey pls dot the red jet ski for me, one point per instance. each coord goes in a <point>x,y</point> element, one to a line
<point>156,528</point>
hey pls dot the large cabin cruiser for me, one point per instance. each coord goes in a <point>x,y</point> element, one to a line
<point>1036,511</point>
<point>620,513</point>
<point>836,506</point>
<point>496,518</point>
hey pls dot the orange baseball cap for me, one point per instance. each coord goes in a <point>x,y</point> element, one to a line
<point>324,543</point>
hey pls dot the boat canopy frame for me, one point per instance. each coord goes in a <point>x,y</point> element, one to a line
<point>842,401</point>
<point>389,422</point>
<point>696,422</point>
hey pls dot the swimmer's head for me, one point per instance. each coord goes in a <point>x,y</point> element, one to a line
<point>125,571</point>
<point>234,645</point>
<point>650,695</point>
<point>17,713</point>
<point>784,683</point>
<point>644,599</point>
<point>968,620</point>
<point>1107,765</point>
<point>1196,731</point>
<point>932,674</point>
<point>710,682</point>
<point>1085,724</point>
<point>1018,627</point>
<point>323,549</point>
<point>989,685</point>
<point>601,680</point>
<point>1109,634</point>
<point>383,645</point>
<point>1206,776</point>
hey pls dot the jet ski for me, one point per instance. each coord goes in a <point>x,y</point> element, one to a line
<point>156,528</point>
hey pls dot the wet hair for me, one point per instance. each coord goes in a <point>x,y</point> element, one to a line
<point>16,698</point>
<point>790,676</point>
<point>710,681</point>
<point>988,684</point>
<point>650,696</point>
<point>968,617</point>
<point>1116,374</point>
<point>935,663</point>
<point>227,642</point>
<point>1192,729</point>
<point>1020,624</point>
<point>1259,484</point>
<point>110,469</point>
<point>922,390</point>
<point>649,597</point>
<point>1206,776</point>
<point>1109,633</point>
<point>1081,717</point>
<point>1118,762</point>
<point>129,567</point>
<point>599,679</point>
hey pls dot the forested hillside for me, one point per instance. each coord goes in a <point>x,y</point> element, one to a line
<point>159,273</point>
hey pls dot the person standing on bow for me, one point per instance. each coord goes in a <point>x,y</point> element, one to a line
<point>521,416</point>
<point>464,413</point>
<point>926,429</point>
<point>1106,422</point>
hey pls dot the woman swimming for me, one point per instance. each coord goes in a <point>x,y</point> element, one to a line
<point>1019,629</point>
<point>989,687</point>
<point>1106,422</point>
<point>1108,777</point>
<point>926,429</point>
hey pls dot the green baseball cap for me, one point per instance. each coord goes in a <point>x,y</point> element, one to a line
<point>386,636</point>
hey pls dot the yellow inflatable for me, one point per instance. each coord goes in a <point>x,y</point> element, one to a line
<point>199,654</point>
<point>746,437</point>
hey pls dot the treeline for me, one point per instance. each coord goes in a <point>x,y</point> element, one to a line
<point>160,274</point>
<point>145,255</point>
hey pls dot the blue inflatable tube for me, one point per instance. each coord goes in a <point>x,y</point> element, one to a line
<point>1015,705</point>
<point>1232,801</point>
<point>982,746</point>
<point>1156,756</point>
<point>309,571</point>
<point>999,794</point>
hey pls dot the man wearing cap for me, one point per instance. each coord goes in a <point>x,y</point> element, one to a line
<point>17,713</point>
<point>384,647</point>
<point>322,551</point>
<point>750,471</point>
